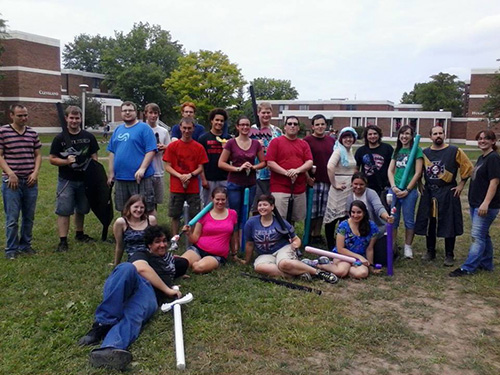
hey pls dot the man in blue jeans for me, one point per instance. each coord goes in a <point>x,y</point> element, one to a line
<point>20,160</point>
<point>132,294</point>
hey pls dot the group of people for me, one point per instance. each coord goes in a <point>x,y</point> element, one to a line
<point>350,197</point>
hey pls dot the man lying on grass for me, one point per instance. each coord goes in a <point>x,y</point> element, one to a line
<point>132,294</point>
<point>277,252</point>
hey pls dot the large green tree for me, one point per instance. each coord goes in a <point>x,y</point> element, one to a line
<point>444,91</point>
<point>492,106</point>
<point>274,89</point>
<point>86,53</point>
<point>3,34</point>
<point>135,63</point>
<point>208,79</point>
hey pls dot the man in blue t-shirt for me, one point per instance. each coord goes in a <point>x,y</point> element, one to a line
<point>132,148</point>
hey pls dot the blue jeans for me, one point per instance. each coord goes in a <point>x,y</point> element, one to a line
<point>236,195</point>
<point>481,248</point>
<point>407,204</point>
<point>128,302</point>
<point>23,199</point>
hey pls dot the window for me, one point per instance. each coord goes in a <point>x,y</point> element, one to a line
<point>350,107</point>
<point>303,107</point>
<point>371,121</point>
<point>96,83</point>
<point>109,111</point>
<point>396,124</point>
<point>356,122</point>
<point>283,107</point>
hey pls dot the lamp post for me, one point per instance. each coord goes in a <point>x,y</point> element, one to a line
<point>84,88</point>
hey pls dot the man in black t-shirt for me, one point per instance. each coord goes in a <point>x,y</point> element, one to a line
<point>373,159</point>
<point>72,160</point>
<point>213,142</point>
<point>132,294</point>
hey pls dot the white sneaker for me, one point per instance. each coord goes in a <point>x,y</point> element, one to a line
<point>408,252</point>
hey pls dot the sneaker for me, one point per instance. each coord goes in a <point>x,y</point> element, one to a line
<point>449,261</point>
<point>28,251</point>
<point>95,335</point>
<point>459,272</point>
<point>323,260</point>
<point>112,358</point>
<point>310,262</point>
<point>174,246</point>
<point>328,277</point>
<point>408,252</point>
<point>429,256</point>
<point>84,238</point>
<point>62,247</point>
<point>305,276</point>
<point>11,255</point>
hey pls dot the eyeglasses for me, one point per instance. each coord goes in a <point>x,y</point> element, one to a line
<point>128,110</point>
<point>292,123</point>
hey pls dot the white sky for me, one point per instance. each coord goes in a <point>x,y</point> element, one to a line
<point>356,49</point>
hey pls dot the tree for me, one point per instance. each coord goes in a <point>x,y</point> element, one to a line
<point>3,34</point>
<point>492,106</point>
<point>208,79</point>
<point>135,64</point>
<point>444,92</point>
<point>274,89</point>
<point>94,114</point>
<point>86,52</point>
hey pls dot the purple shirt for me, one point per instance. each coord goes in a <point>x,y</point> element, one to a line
<point>238,157</point>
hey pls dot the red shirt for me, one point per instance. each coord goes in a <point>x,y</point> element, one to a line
<point>288,154</point>
<point>184,157</point>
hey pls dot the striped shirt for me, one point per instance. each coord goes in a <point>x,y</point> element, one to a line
<point>19,149</point>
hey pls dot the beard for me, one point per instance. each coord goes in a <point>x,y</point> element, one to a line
<point>438,141</point>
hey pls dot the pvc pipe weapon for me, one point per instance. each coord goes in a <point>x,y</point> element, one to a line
<point>246,203</point>
<point>411,160</point>
<point>179,336</point>
<point>331,254</point>
<point>390,250</point>
<point>180,301</point>
<point>284,283</point>
<point>307,225</point>
<point>194,220</point>
<point>185,208</point>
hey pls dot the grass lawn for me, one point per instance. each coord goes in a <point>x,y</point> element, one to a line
<point>418,322</point>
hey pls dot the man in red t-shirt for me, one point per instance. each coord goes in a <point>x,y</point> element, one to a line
<point>184,161</point>
<point>288,158</point>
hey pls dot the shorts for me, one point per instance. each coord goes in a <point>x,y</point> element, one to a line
<point>176,205</point>
<point>159,189</point>
<point>320,199</point>
<point>125,189</point>
<point>71,198</point>
<point>202,253</point>
<point>299,205</point>
<point>286,252</point>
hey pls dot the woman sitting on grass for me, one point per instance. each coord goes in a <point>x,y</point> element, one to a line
<point>277,252</point>
<point>356,237</point>
<point>129,228</point>
<point>211,235</point>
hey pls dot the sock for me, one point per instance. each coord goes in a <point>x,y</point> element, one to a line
<point>79,233</point>
<point>408,247</point>
<point>63,239</point>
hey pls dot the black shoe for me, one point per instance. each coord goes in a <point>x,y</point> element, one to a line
<point>95,335</point>
<point>449,261</point>
<point>429,256</point>
<point>84,238</point>
<point>11,255</point>
<point>27,251</point>
<point>62,247</point>
<point>328,277</point>
<point>459,272</point>
<point>112,358</point>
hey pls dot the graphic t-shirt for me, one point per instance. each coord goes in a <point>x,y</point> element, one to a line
<point>267,240</point>
<point>401,162</point>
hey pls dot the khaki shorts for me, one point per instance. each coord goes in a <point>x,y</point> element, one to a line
<point>299,205</point>
<point>286,252</point>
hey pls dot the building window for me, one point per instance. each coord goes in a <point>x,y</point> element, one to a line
<point>356,122</point>
<point>283,107</point>
<point>303,107</point>
<point>350,107</point>
<point>396,124</point>
<point>413,122</point>
<point>371,121</point>
<point>96,83</point>
<point>109,111</point>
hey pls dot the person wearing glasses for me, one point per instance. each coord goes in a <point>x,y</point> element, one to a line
<point>289,158</point>
<point>131,150</point>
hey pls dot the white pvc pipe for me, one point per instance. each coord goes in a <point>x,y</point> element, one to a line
<point>330,254</point>
<point>179,337</point>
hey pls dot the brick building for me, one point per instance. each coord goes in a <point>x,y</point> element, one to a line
<point>32,75</point>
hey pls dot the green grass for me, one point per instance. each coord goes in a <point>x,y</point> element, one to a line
<point>418,322</point>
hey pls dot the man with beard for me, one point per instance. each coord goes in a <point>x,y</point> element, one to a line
<point>373,159</point>
<point>440,212</point>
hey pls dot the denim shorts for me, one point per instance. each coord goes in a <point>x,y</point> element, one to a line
<point>71,198</point>
<point>203,254</point>
<point>407,204</point>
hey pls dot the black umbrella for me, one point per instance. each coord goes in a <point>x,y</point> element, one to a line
<point>96,183</point>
